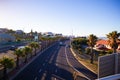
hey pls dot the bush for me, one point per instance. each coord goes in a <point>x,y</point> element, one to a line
<point>109,52</point>
<point>103,52</point>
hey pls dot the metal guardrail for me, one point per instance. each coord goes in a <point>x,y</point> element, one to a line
<point>112,77</point>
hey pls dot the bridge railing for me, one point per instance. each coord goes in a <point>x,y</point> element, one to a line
<point>112,77</point>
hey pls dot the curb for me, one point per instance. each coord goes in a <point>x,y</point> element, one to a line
<point>81,61</point>
<point>81,74</point>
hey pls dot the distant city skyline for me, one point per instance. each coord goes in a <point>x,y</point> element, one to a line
<point>77,17</point>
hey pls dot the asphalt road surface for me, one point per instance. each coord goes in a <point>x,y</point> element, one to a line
<point>54,64</point>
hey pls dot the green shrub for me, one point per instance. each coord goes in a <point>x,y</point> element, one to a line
<point>109,52</point>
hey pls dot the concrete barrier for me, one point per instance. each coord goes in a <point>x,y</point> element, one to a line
<point>108,65</point>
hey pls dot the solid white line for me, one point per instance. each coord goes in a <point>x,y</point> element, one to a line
<point>73,67</point>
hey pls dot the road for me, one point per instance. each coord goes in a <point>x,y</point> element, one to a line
<point>52,64</point>
<point>79,66</point>
<point>7,47</point>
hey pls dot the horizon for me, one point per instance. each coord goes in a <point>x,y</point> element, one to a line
<point>78,17</point>
<point>100,37</point>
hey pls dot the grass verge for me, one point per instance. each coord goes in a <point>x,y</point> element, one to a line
<point>83,59</point>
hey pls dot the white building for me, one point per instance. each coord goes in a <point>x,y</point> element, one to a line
<point>48,34</point>
<point>19,32</point>
<point>3,30</point>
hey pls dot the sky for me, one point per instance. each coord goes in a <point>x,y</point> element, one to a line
<point>69,17</point>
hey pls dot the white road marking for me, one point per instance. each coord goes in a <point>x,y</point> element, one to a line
<point>35,78</point>
<point>44,64</point>
<point>73,67</point>
<point>40,70</point>
<point>56,64</point>
<point>56,71</point>
<point>55,78</point>
<point>43,77</point>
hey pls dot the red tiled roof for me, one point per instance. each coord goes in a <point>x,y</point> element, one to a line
<point>103,48</point>
<point>104,42</point>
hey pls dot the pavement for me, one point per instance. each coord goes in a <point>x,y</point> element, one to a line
<point>53,64</point>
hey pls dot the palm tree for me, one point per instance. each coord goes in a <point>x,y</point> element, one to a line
<point>27,50</point>
<point>31,53</point>
<point>34,45</point>
<point>113,37</point>
<point>6,63</point>
<point>91,42</point>
<point>18,53</point>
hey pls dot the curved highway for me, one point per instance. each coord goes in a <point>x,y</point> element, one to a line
<point>54,64</point>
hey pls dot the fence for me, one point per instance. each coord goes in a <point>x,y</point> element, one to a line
<point>108,65</point>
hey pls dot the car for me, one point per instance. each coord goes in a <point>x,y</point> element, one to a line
<point>12,47</point>
<point>68,46</point>
<point>61,44</point>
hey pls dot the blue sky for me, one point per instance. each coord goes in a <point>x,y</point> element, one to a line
<point>80,17</point>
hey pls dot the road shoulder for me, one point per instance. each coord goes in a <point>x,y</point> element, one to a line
<point>83,63</point>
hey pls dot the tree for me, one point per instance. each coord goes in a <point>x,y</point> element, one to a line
<point>12,32</point>
<point>79,42</point>
<point>6,63</point>
<point>34,45</point>
<point>91,42</point>
<point>27,50</point>
<point>113,38</point>
<point>18,53</point>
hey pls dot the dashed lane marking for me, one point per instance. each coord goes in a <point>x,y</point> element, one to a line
<point>40,70</point>
<point>44,64</point>
<point>55,79</point>
<point>56,71</point>
<point>56,64</point>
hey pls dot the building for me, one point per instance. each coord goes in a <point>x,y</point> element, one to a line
<point>104,45</point>
<point>6,38</point>
<point>19,32</point>
<point>59,35</point>
<point>48,34</point>
<point>3,30</point>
